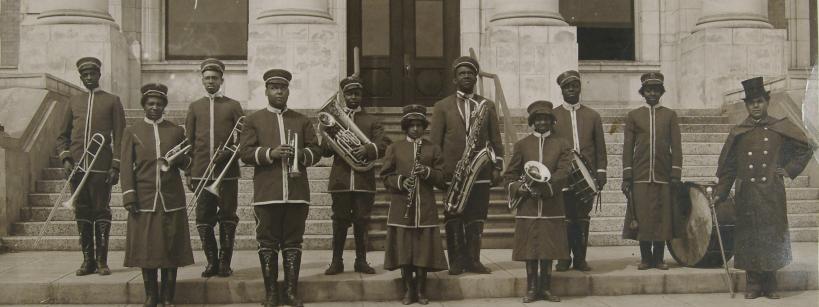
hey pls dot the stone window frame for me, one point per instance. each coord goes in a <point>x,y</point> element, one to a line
<point>646,43</point>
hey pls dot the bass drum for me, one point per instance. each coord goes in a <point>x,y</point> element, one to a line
<point>698,245</point>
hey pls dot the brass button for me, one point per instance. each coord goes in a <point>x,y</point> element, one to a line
<point>764,165</point>
<point>753,179</point>
<point>751,166</point>
<point>764,179</point>
<point>765,152</point>
<point>765,139</point>
<point>750,153</point>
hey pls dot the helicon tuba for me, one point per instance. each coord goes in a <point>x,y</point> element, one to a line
<point>341,133</point>
<point>535,179</point>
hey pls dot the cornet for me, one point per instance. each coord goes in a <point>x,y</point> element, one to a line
<point>292,162</point>
<point>172,154</point>
<point>535,179</point>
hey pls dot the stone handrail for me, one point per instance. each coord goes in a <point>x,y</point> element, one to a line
<point>509,131</point>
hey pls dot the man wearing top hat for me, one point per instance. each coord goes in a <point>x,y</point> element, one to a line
<point>582,127</point>
<point>88,113</point>
<point>353,192</point>
<point>451,122</point>
<point>281,195</point>
<point>652,162</point>
<point>757,155</point>
<point>209,123</point>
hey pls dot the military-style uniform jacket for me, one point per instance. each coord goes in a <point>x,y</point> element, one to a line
<point>398,164</point>
<point>449,131</point>
<point>106,116</point>
<point>342,177</point>
<point>555,154</point>
<point>583,128</point>
<point>652,152</point>
<point>209,123</point>
<point>142,181</point>
<point>749,159</point>
<point>265,130</point>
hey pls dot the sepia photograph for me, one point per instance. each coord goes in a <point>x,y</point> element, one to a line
<point>452,153</point>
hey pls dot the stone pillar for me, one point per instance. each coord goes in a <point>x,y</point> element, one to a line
<point>732,42</point>
<point>302,37</point>
<point>64,31</point>
<point>528,46</point>
<point>733,14</point>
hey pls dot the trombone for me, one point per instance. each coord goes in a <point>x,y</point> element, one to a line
<point>231,145</point>
<point>172,154</point>
<point>96,139</point>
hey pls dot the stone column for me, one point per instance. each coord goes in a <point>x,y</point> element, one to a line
<point>733,14</point>
<point>64,31</point>
<point>529,45</point>
<point>302,37</point>
<point>731,42</point>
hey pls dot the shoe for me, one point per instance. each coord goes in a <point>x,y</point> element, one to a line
<point>752,295</point>
<point>89,264</point>
<point>227,236</point>
<point>210,249</point>
<point>772,295</point>
<point>661,266</point>
<point>563,265</point>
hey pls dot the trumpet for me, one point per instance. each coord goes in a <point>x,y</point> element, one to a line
<point>98,140</point>
<point>231,145</point>
<point>292,162</point>
<point>535,178</point>
<point>180,149</point>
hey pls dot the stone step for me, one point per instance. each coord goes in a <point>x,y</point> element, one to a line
<point>606,119</point>
<point>493,238</point>
<point>37,277</point>
<point>323,199</point>
<point>604,110</point>
<point>380,208</point>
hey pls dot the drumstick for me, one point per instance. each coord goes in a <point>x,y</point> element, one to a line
<point>709,190</point>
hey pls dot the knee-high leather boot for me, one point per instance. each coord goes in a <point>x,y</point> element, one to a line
<point>409,285</point>
<point>531,281</point>
<point>269,261</point>
<point>227,237</point>
<point>360,234</point>
<point>473,244</point>
<point>102,229</point>
<point>168,288</point>
<point>89,264</point>
<point>292,264</point>
<point>546,281</point>
<point>421,285</point>
<point>151,287</point>
<point>210,249</point>
<point>455,245</point>
<point>339,236</point>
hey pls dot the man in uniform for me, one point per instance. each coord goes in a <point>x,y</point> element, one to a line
<point>582,127</point>
<point>281,192</point>
<point>757,155</point>
<point>88,113</point>
<point>452,120</point>
<point>353,192</point>
<point>209,124</point>
<point>652,163</point>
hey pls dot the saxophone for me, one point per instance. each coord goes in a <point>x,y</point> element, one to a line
<point>472,161</point>
<point>413,192</point>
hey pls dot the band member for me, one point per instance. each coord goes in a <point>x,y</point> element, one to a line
<point>157,236</point>
<point>353,192</point>
<point>209,124</point>
<point>411,170</point>
<point>540,222</point>
<point>652,161</point>
<point>451,122</point>
<point>582,127</point>
<point>88,113</point>
<point>280,143</point>
<point>757,155</point>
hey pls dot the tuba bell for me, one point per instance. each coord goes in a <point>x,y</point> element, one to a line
<point>535,179</point>
<point>342,134</point>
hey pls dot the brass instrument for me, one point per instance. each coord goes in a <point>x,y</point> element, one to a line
<point>535,179</point>
<point>180,149</point>
<point>97,140</point>
<point>292,162</point>
<point>472,161</point>
<point>342,134</point>
<point>232,145</point>
<point>413,193</point>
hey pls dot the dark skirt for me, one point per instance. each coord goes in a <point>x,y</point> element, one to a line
<point>537,239</point>
<point>420,247</point>
<point>653,206</point>
<point>158,240</point>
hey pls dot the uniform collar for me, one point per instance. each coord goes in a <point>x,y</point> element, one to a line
<point>95,90</point>
<point>218,94</point>
<point>750,121</point>
<point>462,94</point>
<point>411,140</point>
<point>156,122</point>
<point>348,110</point>
<point>542,136</point>
<point>572,107</point>
<point>276,110</point>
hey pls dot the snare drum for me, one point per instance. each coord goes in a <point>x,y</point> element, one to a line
<point>581,181</point>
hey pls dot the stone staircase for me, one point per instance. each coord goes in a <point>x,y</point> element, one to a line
<point>703,134</point>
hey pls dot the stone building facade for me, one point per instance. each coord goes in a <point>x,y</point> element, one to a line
<point>704,47</point>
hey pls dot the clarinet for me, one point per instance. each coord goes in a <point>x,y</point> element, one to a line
<point>414,191</point>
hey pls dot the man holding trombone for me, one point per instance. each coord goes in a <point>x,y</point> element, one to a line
<point>210,125</point>
<point>90,113</point>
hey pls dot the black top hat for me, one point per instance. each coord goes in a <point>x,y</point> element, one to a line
<point>350,82</point>
<point>413,112</point>
<point>212,64</point>
<point>466,61</point>
<point>539,107</point>
<point>755,87</point>
<point>88,63</point>
<point>568,76</point>
<point>277,76</point>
